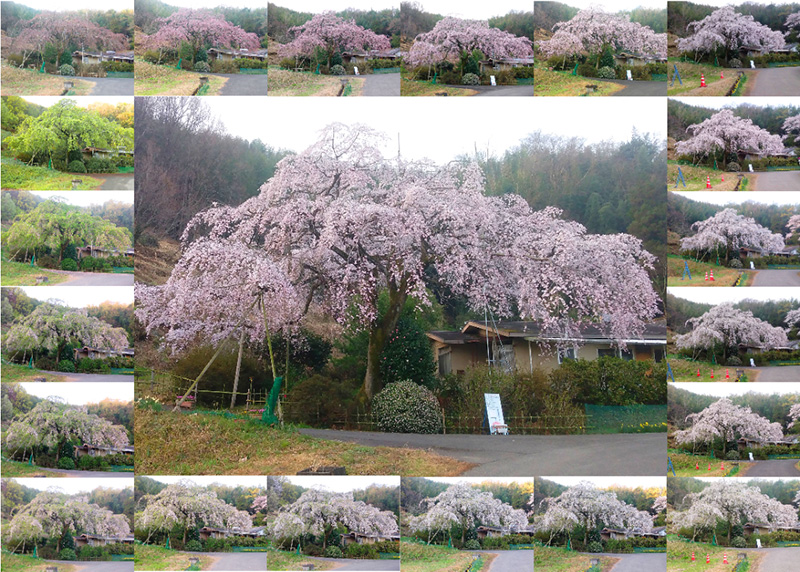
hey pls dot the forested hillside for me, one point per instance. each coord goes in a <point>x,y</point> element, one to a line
<point>415,21</point>
<point>386,22</point>
<point>772,311</point>
<point>548,14</point>
<point>773,15</point>
<point>252,20</point>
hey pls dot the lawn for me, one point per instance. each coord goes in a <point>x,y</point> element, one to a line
<point>685,466</point>
<point>198,444</point>
<point>696,177</point>
<point>679,557</point>
<point>412,88</point>
<point>20,563</point>
<point>30,82</point>
<point>147,557</point>
<point>690,75</point>
<point>548,559</point>
<point>292,83</point>
<point>686,370</point>
<point>23,274</point>
<point>15,373</point>
<point>20,177</point>
<point>282,560</point>
<point>422,558</point>
<point>722,276</point>
<point>547,82</point>
<point>17,469</point>
<point>151,79</point>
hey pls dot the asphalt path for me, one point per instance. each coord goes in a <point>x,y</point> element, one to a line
<point>111,85</point>
<point>91,376</point>
<point>380,84</point>
<point>525,455</point>
<point>775,468</point>
<point>637,88</point>
<point>362,565</point>
<point>779,373</point>
<point>790,277</point>
<point>639,562</point>
<point>497,90</point>
<point>512,561</point>
<point>243,84</point>
<point>236,561</point>
<point>780,559</point>
<point>96,566</point>
<point>775,81</point>
<point>776,181</point>
<point>116,182</point>
<point>95,278</point>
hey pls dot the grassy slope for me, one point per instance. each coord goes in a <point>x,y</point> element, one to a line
<point>547,559</point>
<point>291,83</point>
<point>562,83</point>
<point>150,79</point>
<point>14,373</point>
<point>679,555</point>
<point>20,177</point>
<point>153,265</point>
<point>281,560</point>
<point>696,178</point>
<point>685,466</point>
<point>23,274</point>
<point>148,557</point>
<point>31,82</point>
<point>425,88</point>
<point>19,563</point>
<point>187,444</point>
<point>15,469</point>
<point>690,75</point>
<point>685,370</point>
<point>421,558</point>
<point>722,276</point>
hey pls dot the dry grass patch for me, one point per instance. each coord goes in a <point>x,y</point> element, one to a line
<point>15,373</point>
<point>202,444</point>
<point>153,265</point>
<point>17,469</point>
<point>723,277</point>
<point>21,563</point>
<point>550,83</point>
<point>696,177</point>
<point>549,559</point>
<point>151,79</point>
<point>417,88</point>
<point>147,557</point>
<point>30,82</point>
<point>431,558</point>
<point>304,84</point>
<point>282,560</point>
<point>691,75</point>
<point>679,557</point>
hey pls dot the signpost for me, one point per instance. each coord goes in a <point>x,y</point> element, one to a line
<point>494,414</point>
<point>750,167</point>
<point>629,74</point>
<point>355,68</point>
<point>493,80</point>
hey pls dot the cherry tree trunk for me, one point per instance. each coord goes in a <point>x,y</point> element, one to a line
<point>378,336</point>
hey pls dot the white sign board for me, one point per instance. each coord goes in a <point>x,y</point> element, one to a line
<point>493,80</point>
<point>494,414</point>
<point>750,167</point>
<point>752,266</point>
<point>758,542</point>
<point>629,74</point>
<point>752,65</point>
<point>752,363</point>
<point>355,68</point>
<point>751,456</point>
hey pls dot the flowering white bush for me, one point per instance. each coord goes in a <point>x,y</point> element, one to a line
<point>406,407</point>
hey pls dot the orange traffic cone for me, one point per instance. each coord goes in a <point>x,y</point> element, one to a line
<point>708,182</point>
<point>724,557</point>
<point>722,75</point>
<point>722,466</point>
<point>727,375</point>
<point>709,465</point>
<point>723,178</point>
<point>702,80</point>
<point>706,275</point>
<point>692,555</point>
<point>708,558</point>
<point>711,277</point>
<point>698,372</point>
<point>697,468</point>
<point>712,374</point>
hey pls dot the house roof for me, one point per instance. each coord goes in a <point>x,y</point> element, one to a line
<point>654,333</point>
<point>620,530</point>
<point>242,52</point>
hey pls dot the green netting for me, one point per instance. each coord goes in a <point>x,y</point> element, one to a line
<point>253,71</point>
<point>389,555</point>
<point>643,549</point>
<point>122,557</point>
<point>524,81</point>
<point>250,548</point>
<point>119,74</point>
<point>788,543</point>
<point>122,270</point>
<point>782,64</point>
<point>659,77</point>
<point>626,418</point>
<point>521,546</point>
<point>386,70</point>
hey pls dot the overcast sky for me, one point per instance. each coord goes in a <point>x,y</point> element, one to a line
<point>472,10</point>
<point>719,295</point>
<point>726,389</point>
<point>440,128</point>
<point>81,393</point>
<point>318,6</point>
<point>725,198</point>
<point>88,198</point>
<point>476,480</point>
<point>720,102</point>
<point>605,482</point>
<point>48,100</point>
<point>204,481</point>
<point>61,6</point>
<point>215,3</point>
<point>83,296</point>
<point>343,484</point>
<point>616,5</point>
<point>74,486</point>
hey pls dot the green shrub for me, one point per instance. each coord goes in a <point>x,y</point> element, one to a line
<point>406,407</point>
<point>100,165</point>
<point>337,70</point>
<point>220,66</point>
<point>202,67</point>
<point>472,545</point>
<point>470,79</point>
<point>117,66</point>
<point>66,463</point>
<point>738,542</point>
<point>250,63</point>
<point>66,365</point>
<point>67,70</point>
<point>152,56</point>
<point>735,361</point>
<point>67,554</point>
<point>734,63</point>
<point>408,355</point>
<point>587,70</point>
<point>607,72</point>
<point>333,552</point>
<point>523,72</point>
<point>505,77</point>
<point>449,77</point>
<point>379,64</point>
<point>312,550</point>
<point>594,547</point>
<point>201,56</point>
<point>69,264</point>
<point>76,167</point>
<point>15,60</point>
<point>288,63</point>
<point>193,546</point>
<point>361,551</point>
<point>735,263</point>
<point>734,167</point>
<point>90,70</point>
<point>732,455</point>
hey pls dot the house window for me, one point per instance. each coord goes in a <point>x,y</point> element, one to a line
<point>566,354</point>
<point>658,354</point>
<point>503,355</point>
<point>445,361</point>
<point>606,352</point>
<point>626,355</point>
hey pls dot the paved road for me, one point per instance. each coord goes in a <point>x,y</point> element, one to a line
<point>776,468</point>
<point>512,561</point>
<point>775,81</point>
<point>381,84</point>
<point>97,566</point>
<point>780,559</point>
<point>789,277</point>
<point>638,88</point>
<point>779,373</point>
<point>243,84</point>
<point>639,562</point>
<point>111,85</point>
<point>524,455</point>
<point>498,90</point>
<point>91,376</point>
<point>95,278</point>
<point>363,565</point>
<point>776,180</point>
<point>236,561</point>
<point>119,182</point>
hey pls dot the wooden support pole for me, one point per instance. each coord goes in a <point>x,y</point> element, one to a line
<point>238,369</point>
